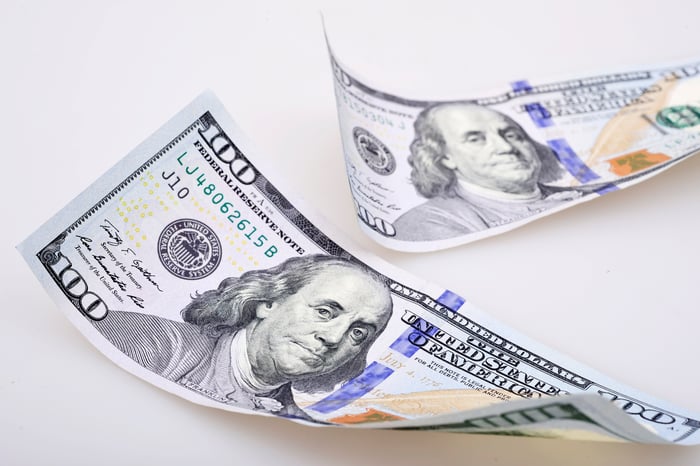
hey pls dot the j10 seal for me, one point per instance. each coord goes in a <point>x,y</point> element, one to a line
<point>374,152</point>
<point>189,249</point>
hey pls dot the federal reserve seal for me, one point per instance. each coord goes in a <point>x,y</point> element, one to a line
<point>189,249</point>
<point>376,155</point>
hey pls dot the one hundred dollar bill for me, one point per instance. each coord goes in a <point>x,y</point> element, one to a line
<point>190,265</point>
<point>427,175</point>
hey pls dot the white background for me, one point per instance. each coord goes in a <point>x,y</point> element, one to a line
<point>613,283</point>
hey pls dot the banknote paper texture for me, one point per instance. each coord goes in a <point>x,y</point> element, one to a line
<point>189,265</point>
<point>427,175</point>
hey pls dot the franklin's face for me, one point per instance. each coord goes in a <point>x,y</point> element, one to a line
<point>327,323</point>
<point>487,149</point>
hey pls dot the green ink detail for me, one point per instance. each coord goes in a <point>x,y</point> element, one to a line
<point>679,116</point>
<point>636,162</point>
<point>508,423</point>
<point>513,419</point>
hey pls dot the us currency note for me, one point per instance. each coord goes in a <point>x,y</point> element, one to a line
<point>190,265</point>
<point>428,175</point>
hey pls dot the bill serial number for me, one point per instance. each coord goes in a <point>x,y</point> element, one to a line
<point>218,200</point>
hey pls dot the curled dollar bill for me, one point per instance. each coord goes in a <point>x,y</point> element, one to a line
<point>428,175</point>
<point>189,265</point>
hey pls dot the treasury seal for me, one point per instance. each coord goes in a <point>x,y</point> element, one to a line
<point>679,116</point>
<point>376,155</point>
<point>189,249</point>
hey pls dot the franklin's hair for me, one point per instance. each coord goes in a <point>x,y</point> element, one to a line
<point>232,306</point>
<point>432,179</point>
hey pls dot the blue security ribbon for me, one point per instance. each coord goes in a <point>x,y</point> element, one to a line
<point>377,372</point>
<point>574,165</point>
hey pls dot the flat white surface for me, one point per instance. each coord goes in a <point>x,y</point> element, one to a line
<point>612,283</point>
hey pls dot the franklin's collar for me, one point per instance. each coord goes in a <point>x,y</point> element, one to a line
<point>494,194</point>
<point>242,370</point>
